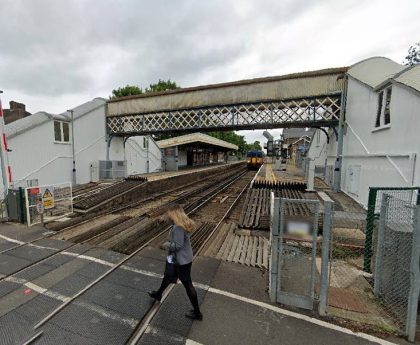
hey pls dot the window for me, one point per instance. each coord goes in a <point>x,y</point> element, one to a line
<point>61,132</point>
<point>387,110</point>
<point>383,115</point>
<point>378,115</point>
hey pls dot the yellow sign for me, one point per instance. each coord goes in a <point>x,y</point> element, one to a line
<point>48,198</point>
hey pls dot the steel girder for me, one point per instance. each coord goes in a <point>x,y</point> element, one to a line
<point>322,111</point>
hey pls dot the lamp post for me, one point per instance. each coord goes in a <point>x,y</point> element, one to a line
<point>71,111</point>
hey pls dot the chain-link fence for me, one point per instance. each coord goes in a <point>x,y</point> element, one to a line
<point>397,261</point>
<point>408,194</point>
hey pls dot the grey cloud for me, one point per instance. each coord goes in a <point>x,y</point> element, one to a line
<point>88,47</point>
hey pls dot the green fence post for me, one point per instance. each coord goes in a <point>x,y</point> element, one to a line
<point>370,219</point>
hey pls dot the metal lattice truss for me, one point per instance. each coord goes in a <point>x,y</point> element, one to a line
<point>313,112</point>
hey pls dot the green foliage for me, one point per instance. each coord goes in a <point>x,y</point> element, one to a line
<point>413,57</point>
<point>132,90</point>
<point>128,90</point>
<point>255,146</point>
<point>162,85</point>
<point>233,138</point>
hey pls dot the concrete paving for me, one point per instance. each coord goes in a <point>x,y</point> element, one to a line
<point>233,298</point>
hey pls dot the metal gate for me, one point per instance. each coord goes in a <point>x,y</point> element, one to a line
<point>293,272</point>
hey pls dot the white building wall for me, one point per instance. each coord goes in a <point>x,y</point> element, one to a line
<point>317,149</point>
<point>137,155</point>
<point>90,142</point>
<point>386,157</point>
<point>34,155</point>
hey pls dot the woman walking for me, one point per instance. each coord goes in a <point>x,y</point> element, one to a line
<point>179,258</point>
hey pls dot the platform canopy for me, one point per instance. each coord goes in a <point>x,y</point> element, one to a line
<point>308,99</point>
<point>194,138</point>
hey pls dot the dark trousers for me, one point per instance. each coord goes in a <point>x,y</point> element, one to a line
<point>184,275</point>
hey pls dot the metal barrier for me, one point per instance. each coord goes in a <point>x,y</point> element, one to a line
<point>409,194</point>
<point>59,204</point>
<point>293,272</point>
<point>397,276</point>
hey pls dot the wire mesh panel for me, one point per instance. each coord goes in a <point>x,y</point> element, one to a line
<point>408,194</point>
<point>394,256</point>
<point>56,199</point>
<point>299,226</point>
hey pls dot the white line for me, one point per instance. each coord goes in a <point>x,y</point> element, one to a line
<point>300,316</point>
<point>108,313</point>
<point>29,244</point>
<point>110,264</point>
<point>89,258</point>
<point>192,342</point>
<point>55,295</point>
<point>11,240</point>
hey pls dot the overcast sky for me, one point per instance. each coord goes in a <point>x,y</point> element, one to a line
<point>55,55</point>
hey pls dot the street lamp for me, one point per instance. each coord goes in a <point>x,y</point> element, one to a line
<point>71,111</point>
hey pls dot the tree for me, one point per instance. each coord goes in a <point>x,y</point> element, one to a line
<point>233,138</point>
<point>413,57</point>
<point>256,146</point>
<point>132,90</point>
<point>162,85</point>
<point>128,90</point>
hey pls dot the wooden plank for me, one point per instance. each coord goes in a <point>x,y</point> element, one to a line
<point>242,253</point>
<point>258,208</point>
<point>248,212</point>
<point>244,208</point>
<point>244,250</point>
<point>224,199</point>
<point>259,252</point>
<point>238,249</point>
<point>233,248</point>
<point>215,245</point>
<point>254,251</point>
<point>223,249</point>
<point>265,253</point>
<point>249,250</point>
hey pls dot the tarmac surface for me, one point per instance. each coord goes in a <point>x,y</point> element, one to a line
<point>233,298</point>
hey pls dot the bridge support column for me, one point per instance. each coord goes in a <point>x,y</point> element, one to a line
<point>339,158</point>
<point>108,145</point>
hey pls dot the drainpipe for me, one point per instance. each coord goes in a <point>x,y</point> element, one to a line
<point>72,147</point>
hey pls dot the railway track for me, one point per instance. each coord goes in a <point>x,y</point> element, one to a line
<point>124,233</point>
<point>200,237</point>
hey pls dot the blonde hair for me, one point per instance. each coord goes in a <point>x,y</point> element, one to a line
<point>179,218</point>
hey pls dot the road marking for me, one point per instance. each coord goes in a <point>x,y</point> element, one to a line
<point>62,298</point>
<point>200,286</point>
<point>300,316</point>
<point>11,240</point>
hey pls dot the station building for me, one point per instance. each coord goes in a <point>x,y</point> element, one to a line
<point>41,148</point>
<point>196,149</point>
<point>381,133</point>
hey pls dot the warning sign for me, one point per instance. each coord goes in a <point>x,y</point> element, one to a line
<point>47,197</point>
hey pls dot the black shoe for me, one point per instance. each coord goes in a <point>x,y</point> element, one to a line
<point>155,295</point>
<point>194,315</point>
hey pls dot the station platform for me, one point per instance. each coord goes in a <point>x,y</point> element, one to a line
<point>38,274</point>
<point>166,174</point>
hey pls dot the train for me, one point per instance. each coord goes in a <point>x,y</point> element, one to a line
<point>254,159</point>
